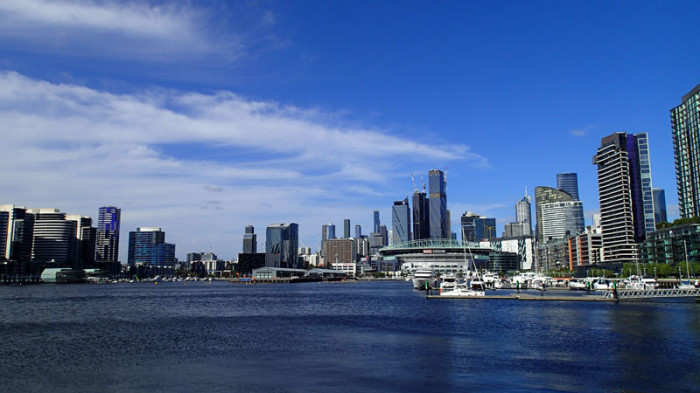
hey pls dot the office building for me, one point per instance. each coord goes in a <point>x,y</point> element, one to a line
<point>476,228</point>
<point>400,222</point>
<point>562,219</point>
<point>346,228</point>
<point>659,196</point>
<point>376,221</point>
<point>85,241</point>
<point>468,226</point>
<point>624,189</point>
<point>250,240</point>
<point>568,182</point>
<point>385,234</point>
<point>438,205</point>
<point>421,216</point>
<point>547,195</point>
<point>108,223</point>
<point>340,251</point>
<point>281,245</point>
<point>147,247</point>
<point>16,233</point>
<point>358,231</point>
<point>523,219</point>
<point>685,129</point>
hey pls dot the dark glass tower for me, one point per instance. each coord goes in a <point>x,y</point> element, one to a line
<point>147,246</point>
<point>421,216</point>
<point>108,222</point>
<point>346,228</point>
<point>250,240</point>
<point>400,222</point>
<point>376,221</point>
<point>568,182</point>
<point>659,205</point>
<point>438,205</point>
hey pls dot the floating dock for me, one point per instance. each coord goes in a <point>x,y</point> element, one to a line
<point>527,296</point>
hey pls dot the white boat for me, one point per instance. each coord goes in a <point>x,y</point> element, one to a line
<point>602,284</point>
<point>640,283</point>
<point>463,289</point>
<point>448,282</point>
<point>424,279</point>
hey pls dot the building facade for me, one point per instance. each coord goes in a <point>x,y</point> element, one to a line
<point>672,245</point>
<point>562,219</point>
<point>439,227</point>
<point>659,196</point>
<point>421,216</point>
<point>281,245</point>
<point>568,182</point>
<point>685,129</point>
<point>400,222</point>
<point>16,233</point>
<point>523,215</point>
<point>624,189</point>
<point>547,195</point>
<point>147,247</point>
<point>346,228</point>
<point>340,251</point>
<point>108,223</point>
<point>250,240</point>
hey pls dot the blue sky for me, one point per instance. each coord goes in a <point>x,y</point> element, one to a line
<point>204,117</point>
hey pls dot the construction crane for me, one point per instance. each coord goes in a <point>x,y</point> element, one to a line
<point>413,180</point>
<point>422,182</point>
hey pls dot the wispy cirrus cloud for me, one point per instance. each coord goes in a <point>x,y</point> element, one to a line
<point>579,132</point>
<point>111,29</point>
<point>162,154</point>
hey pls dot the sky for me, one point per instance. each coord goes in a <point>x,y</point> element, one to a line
<point>202,117</point>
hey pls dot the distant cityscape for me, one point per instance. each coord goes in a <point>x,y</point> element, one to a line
<point>631,226</point>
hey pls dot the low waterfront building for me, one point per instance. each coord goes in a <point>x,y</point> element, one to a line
<point>440,255</point>
<point>670,245</point>
<point>268,272</point>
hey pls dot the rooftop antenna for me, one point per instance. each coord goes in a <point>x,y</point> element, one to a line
<point>413,180</point>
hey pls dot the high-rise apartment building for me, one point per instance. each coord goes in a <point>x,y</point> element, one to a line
<point>439,228</point>
<point>659,205</point>
<point>108,223</point>
<point>685,128</point>
<point>400,222</point>
<point>624,189</point>
<point>562,219</point>
<point>281,245</point>
<point>54,237</point>
<point>147,247</point>
<point>250,240</point>
<point>568,182</point>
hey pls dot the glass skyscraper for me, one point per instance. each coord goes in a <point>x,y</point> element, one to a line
<point>281,244</point>
<point>624,189</point>
<point>346,228</point>
<point>523,215</point>
<point>439,228</point>
<point>400,222</point>
<point>546,195</point>
<point>685,128</point>
<point>250,240</point>
<point>147,246</point>
<point>568,182</point>
<point>421,216</point>
<point>659,205</point>
<point>376,221</point>
<point>108,222</point>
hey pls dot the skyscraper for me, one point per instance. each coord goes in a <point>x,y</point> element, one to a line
<point>54,237</point>
<point>545,195</point>
<point>568,182</point>
<point>108,222</point>
<point>250,240</point>
<point>421,216</point>
<point>400,222</point>
<point>624,189</point>
<point>685,128</point>
<point>376,221</point>
<point>147,246</point>
<point>346,228</point>
<point>468,226</point>
<point>523,215</point>
<point>281,244</point>
<point>659,205</point>
<point>358,231</point>
<point>438,205</point>
<point>16,233</point>
<point>562,219</point>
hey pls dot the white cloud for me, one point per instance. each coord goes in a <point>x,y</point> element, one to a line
<point>113,29</point>
<point>199,166</point>
<point>579,132</point>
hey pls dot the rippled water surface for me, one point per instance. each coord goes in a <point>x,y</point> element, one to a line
<point>366,337</point>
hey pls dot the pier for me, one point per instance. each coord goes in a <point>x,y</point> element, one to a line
<point>605,296</point>
<point>530,297</point>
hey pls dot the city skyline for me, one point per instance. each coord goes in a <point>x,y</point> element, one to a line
<point>203,119</point>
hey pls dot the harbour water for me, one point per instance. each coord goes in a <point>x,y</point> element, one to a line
<point>361,337</point>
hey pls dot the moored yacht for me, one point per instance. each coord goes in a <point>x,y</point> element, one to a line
<point>424,279</point>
